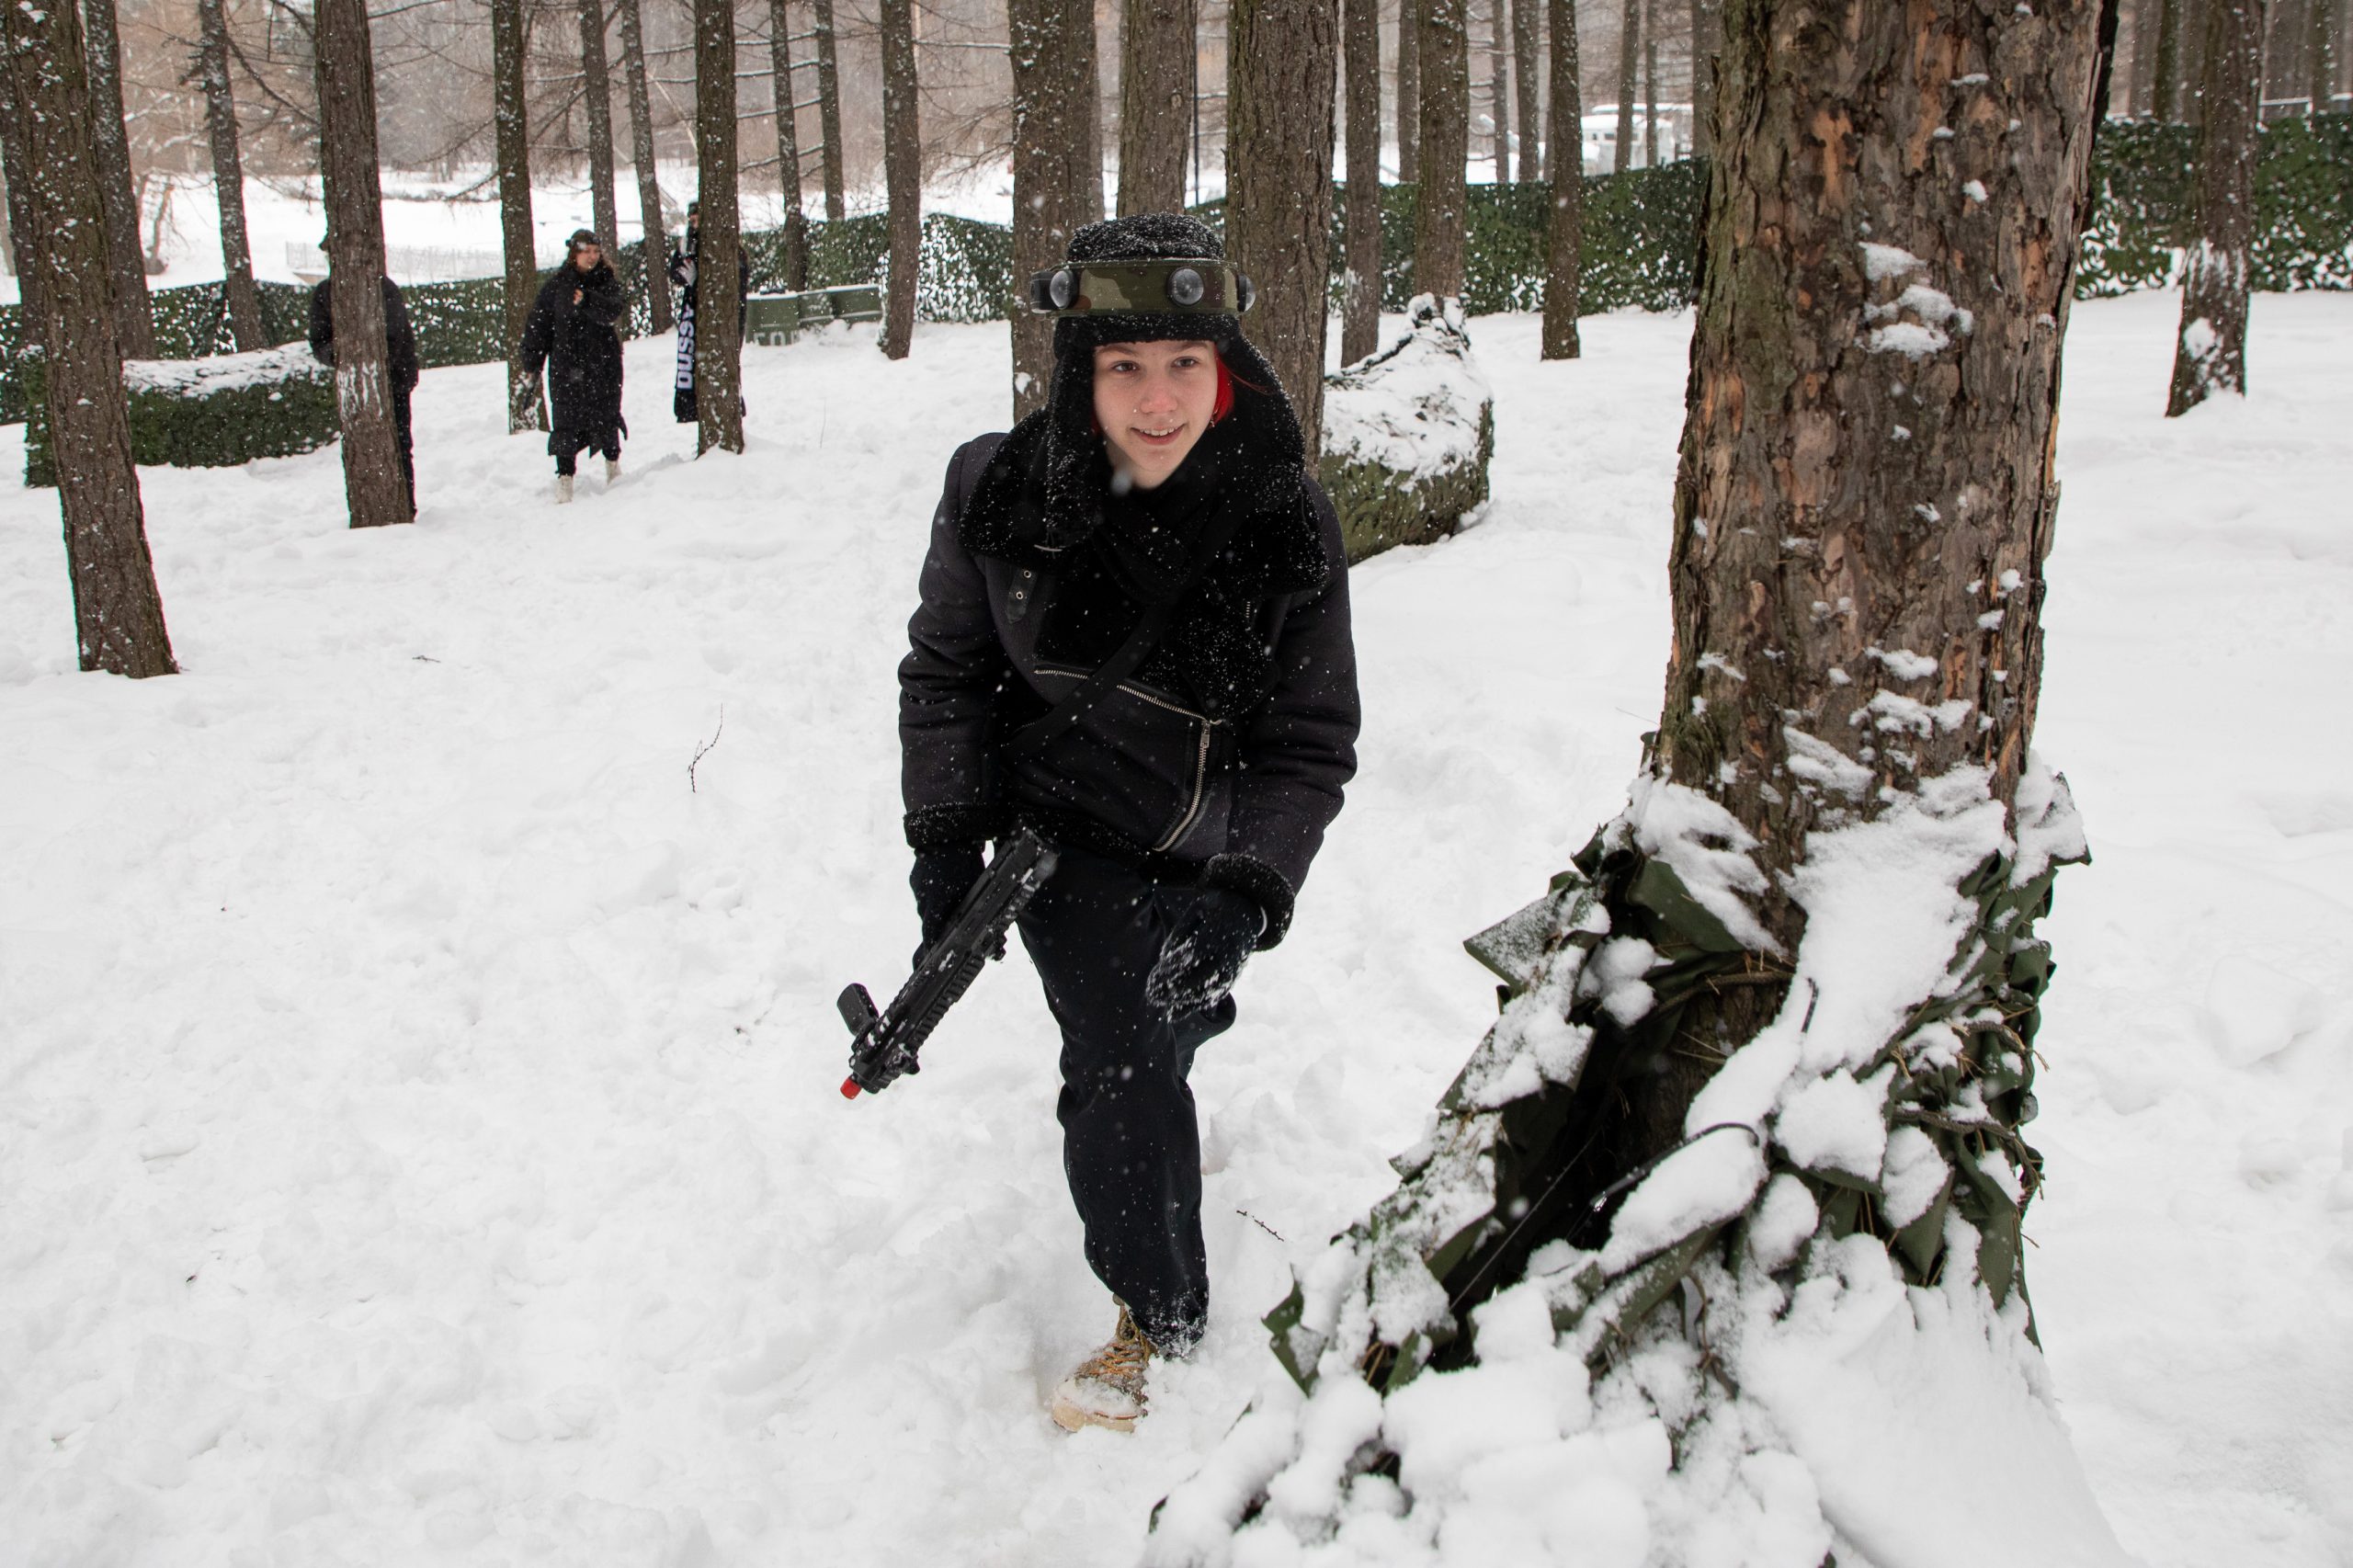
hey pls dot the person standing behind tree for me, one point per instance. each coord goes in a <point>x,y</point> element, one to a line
<point>402,365</point>
<point>573,328</point>
<point>682,273</point>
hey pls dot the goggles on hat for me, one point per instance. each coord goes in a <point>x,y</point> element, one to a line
<point>1178,286</point>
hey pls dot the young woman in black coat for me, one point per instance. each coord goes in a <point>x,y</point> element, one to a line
<point>1165,486</point>
<point>574,330</point>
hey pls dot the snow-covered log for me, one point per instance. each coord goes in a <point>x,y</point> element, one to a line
<point>1408,434</point>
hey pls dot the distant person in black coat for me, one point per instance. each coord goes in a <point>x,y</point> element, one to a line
<point>401,367</point>
<point>682,273</point>
<point>573,328</point>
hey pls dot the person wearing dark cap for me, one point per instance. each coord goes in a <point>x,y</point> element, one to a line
<point>574,330</point>
<point>401,363</point>
<point>683,270</point>
<point>1134,639</point>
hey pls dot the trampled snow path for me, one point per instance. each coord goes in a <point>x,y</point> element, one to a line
<point>422,1142</point>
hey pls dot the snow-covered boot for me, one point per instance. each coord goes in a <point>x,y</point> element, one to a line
<point>563,489</point>
<point>1106,1389</point>
<point>612,471</point>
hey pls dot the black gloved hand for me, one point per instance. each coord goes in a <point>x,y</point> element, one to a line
<point>941,879</point>
<point>1205,952</point>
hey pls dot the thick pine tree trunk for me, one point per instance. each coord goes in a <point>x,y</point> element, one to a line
<point>1090,125</point>
<point>372,483</point>
<point>24,254</point>
<point>1499,87</point>
<point>510,118</point>
<point>228,177</point>
<point>1156,87</point>
<point>1049,182</point>
<point>641,154</point>
<point>719,307</point>
<point>1361,242</point>
<point>1629,42</point>
<point>2210,353</point>
<point>1284,56</point>
<point>902,174</point>
<point>1446,147</point>
<point>110,142</point>
<point>1409,92</point>
<point>1564,229</point>
<point>2168,93</point>
<point>1707,39</point>
<point>788,146</point>
<point>597,85</point>
<point>829,111</point>
<point>117,614</point>
<point>1526,51</point>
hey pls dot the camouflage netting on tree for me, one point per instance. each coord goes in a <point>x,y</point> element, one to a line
<point>1723,1355</point>
<point>1407,436</point>
<point>210,413</point>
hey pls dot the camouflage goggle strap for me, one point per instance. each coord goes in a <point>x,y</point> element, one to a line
<point>1175,285</point>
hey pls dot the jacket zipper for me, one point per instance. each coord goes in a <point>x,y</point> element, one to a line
<point>1201,754</point>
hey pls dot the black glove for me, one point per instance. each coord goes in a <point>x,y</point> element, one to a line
<point>1204,954</point>
<point>941,879</point>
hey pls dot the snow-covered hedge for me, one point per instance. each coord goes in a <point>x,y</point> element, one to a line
<point>2146,172</point>
<point>1407,436</point>
<point>213,413</point>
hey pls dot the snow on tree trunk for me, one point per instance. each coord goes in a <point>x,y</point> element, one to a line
<point>1284,56</point>
<point>641,145</point>
<point>373,486</point>
<point>1442,210</point>
<point>228,177</point>
<point>1409,92</point>
<point>788,146</point>
<point>2210,353</point>
<point>829,111</point>
<point>1048,182</point>
<point>1629,38</point>
<point>1157,66</point>
<point>1524,51</point>
<point>718,303</point>
<point>1712,1251</point>
<point>117,614</point>
<point>1564,227</point>
<point>596,87</point>
<point>510,118</point>
<point>24,255</point>
<point>902,174</point>
<point>1360,241</point>
<point>111,144</point>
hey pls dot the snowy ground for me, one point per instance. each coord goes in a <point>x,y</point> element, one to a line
<point>423,1140</point>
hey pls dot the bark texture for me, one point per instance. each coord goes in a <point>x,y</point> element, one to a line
<point>902,174</point>
<point>23,252</point>
<point>829,111</point>
<point>596,85</point>
<point>2168,71</point>
<point>511,126</point>
<point>134,322</point>
<point>2321,56</point>
<point>788,145</point>
<point>2143,100</point>
<point>1409,92</point>
<point>2210,352</point>
<point>1564,227</point>
<point>1285,55</point>
<point>719,245</point>
<point>117,614</point>
<point>228,176</point>
<point>1526,51</point>
<point>1499,87</point>
<point>1049,183</point>
<point>373,486</point>
<point>641,156</point>
<point>1630,43</point>
<point>1361,242</point>
<point>1156,87</point>
<point>1707,39</point>
<point>1446,147</point>
<point>1090,117</point>
<point>1650,84</point>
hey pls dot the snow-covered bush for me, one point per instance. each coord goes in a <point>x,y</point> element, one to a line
<point>213,412</point>
<point>1407,436</point>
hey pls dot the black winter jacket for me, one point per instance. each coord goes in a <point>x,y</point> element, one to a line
<point>581,349</point>
<point>1220,764</point>
<point>400,337</point>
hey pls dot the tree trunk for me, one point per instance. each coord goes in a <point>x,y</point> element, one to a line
<point>1156,87</point>
<point>597,85</point>
<point>641,154</point>
<point>2321,56</point>
<point>1049,182</point>
<point>2144,98</point>
<point>788,146</point>
<point>1707,40</point>
<point>110,142</point>
<point>511,121</point>
<point>2168,74</point>
<point>228,177</point>
<point>1284,56</point>
<point>2285,27</point>
<point>1446,147</point>
<point>1361,242</point>
<point>902,174</point>
<point>1090,128</point>
<point>1564,228</point>
<point>2209,354</point>
<point>829,111</point>
<point>1499,87</point>
<point>1629,40</point>
<point>372,482</point>
<point>117,614</point>
<point>1650,84</point>
<point>23,249</point>
<point>719,245</point>
<point>1409,92</point>
<point>1524,54</point>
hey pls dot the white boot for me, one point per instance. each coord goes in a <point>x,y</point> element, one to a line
<point>1106,1389</point>
<point>612,471</point>
<point>563,489</point>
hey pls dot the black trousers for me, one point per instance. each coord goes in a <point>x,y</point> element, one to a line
<point>567,446</point>
<point>1131,1145</point>
<point>405,436</point>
